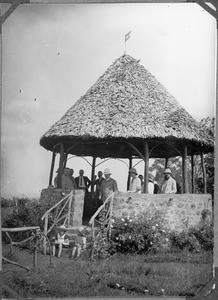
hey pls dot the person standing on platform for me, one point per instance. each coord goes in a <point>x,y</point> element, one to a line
<point>72,178</point>
<point>169,184</point>
<point>98,182</point>
<point>108,186</point>
<point>150,184</point>
<point>135,182</point>
<point>67,182</point>
<point>82,182</point>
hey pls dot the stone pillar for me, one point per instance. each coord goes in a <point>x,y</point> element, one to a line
<point>77,208</point>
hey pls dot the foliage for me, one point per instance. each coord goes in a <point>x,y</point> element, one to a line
<point>101,245</point>
<point>138,236</point>
<point>196,238</point>
<point>147,235</point>
<point>25,212</point>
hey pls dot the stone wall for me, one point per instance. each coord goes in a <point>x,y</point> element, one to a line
<point>51,196</point>
<point>177,212</point>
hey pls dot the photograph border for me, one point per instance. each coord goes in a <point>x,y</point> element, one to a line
<point>210,291</point>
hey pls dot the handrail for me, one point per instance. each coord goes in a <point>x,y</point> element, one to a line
<point>50,209</point>
<point>100,209</point>
<point>20,229</point>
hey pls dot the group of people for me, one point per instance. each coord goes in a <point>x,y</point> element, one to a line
<point>168,186</point>
<point>74,239</point>
<point>107,185</point>
<point>68,182</point>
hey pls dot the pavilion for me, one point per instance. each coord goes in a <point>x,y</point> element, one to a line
<point>127,113</point>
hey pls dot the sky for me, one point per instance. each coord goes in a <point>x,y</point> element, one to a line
<point>52,54</point>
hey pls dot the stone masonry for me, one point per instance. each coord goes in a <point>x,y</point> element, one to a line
<point>177,212</point>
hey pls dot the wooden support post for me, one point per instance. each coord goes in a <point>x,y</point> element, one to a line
<point>52,167</point>
<point>184,170</point>
<point>45,234</point>
<point>69,210</point>
<point>65,160</point>
<point>146,155</point>
<point>130,166</point>
<point>61,165</point>
<point>11,243</point>
<point>193,173</point>
<point>35,253</point>
<point>166,162</point>
<point>204,173</point>
<point>93,173</point>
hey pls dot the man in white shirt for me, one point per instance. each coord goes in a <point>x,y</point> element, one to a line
<point>82,182</point>
<point>135,182</point>
<point>169,184</point>
<point>150,183</point>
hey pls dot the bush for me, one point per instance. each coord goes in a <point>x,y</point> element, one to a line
<point>134,236</point>
<point>195,239</point>
<point>26,212</point>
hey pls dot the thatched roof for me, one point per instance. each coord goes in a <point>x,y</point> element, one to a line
<point>127,103</point>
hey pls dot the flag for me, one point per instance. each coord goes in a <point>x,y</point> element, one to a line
<point>127,36</point>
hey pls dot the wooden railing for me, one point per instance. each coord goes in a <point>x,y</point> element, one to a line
<point>102,221</point>
<point>35,236</point>
<point>62,212</point>
<point>107,206</point>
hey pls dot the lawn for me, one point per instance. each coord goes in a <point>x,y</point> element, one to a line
<point>173,274</point>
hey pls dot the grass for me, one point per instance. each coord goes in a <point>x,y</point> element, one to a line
<point>177,274</point>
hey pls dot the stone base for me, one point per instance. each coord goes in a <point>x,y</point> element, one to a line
<point>177,211</point>
<point>51,196</point>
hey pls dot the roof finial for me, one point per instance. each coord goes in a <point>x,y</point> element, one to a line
<point>127,36</point>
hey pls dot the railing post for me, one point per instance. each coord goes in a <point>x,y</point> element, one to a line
<point>35,253</point>
<point>45,234</point>
<point>69,208</point>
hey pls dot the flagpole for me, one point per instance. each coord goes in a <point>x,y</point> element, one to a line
<point>127,36</point>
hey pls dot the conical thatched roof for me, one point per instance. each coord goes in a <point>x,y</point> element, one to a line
<point>127,103</point>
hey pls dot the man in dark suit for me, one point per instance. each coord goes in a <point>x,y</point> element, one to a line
<point>82,182</point>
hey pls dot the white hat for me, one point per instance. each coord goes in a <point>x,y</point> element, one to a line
<point>62,227</point>
<point>107,171</point>
<point>167,171</point>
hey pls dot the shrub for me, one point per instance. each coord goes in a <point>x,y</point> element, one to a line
<point>185,240</point>
<point>26,212</point>
<point>195,239</point>
<point>138,236</point>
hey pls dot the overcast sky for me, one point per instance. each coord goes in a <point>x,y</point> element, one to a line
<point>52,54</point>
